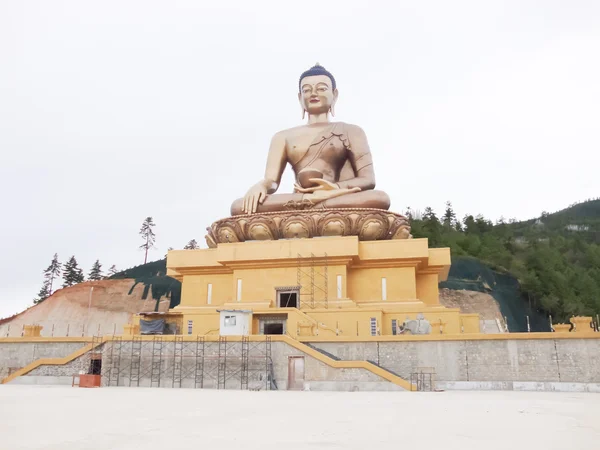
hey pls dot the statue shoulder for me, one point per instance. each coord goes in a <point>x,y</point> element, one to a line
<point>352,129</point>
<point>285,134</point>
<point>280,136</point>
<point>353,136</point>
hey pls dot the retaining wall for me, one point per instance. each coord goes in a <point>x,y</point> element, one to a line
<point>535,363</point>
<point>499,360</point>
<point>119,367</point>
<point>16,354</point>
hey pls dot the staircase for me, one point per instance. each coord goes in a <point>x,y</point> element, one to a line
<point>324,352</point>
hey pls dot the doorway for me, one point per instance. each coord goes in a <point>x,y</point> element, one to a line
<point>271,323</point>
<point>274,328</point>
<point>95,366</point>
<point>295,373</point>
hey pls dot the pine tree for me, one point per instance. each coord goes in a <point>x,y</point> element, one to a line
<point>432,227</point>
<point>96,272</point>
<point>429,214</point>
<point>72,274</point>
<point>52,272</point>
<point>470,224</point>
<point>147,234</point>
<point>44,293</point>
<point>111,271</point>
<point>449,218</point>
<point>192,245</point>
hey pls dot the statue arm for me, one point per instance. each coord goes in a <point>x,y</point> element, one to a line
<point>276,162</point>
<point>359,155</point>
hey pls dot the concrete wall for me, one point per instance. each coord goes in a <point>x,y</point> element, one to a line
<point>121,359</point>
<point>320,376</point>
<point>511,360</point>
<point>15,355</point>
<point>458,364</point>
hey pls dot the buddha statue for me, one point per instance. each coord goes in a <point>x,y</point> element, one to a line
<point>331,160</point>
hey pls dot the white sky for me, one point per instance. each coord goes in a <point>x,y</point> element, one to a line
<point>115,110</point>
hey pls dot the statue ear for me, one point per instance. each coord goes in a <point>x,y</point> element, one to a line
<point>301,105</point>
<point>335,97</point>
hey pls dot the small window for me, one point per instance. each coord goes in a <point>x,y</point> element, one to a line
<point>373,326</point>
<point>230,321</point>
<point>394,326</point>
<point>288,299</point>
<point>190,326</point>
<point>239,290</point>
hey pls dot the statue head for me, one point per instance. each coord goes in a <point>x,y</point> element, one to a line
<point>318,92</point>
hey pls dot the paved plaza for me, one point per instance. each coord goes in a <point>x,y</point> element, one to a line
<point>65,418</point>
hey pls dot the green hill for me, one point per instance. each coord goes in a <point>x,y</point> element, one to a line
<point>555,258</point>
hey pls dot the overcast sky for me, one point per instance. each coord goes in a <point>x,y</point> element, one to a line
<point>116,110</point>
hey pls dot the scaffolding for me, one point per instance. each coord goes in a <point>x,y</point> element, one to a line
<point>423,379</point>
<point>135,362</point>
<point>269,381</point>
<point>244,372</point>
<point>199,373</point>
<point>222,363</point>
<point>177,361</point>
<point>194,363</point>
<point>157,345</point>
<point>114,361</point>
<point>312,279</point>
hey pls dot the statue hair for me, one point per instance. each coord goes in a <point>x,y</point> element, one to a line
<point>317,69</point>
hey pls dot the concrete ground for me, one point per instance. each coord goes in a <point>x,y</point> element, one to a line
<point>65,418</point>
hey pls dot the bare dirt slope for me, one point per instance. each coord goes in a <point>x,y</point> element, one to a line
<point>69,309</point>
<point>471,302</point>
<point>475,302</point>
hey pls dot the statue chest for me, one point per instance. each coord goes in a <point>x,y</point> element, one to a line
<point>328,151</point>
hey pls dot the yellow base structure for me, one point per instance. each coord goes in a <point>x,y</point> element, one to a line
<point>328,287</point>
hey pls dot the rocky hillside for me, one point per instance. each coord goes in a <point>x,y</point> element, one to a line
<point>86,309</point>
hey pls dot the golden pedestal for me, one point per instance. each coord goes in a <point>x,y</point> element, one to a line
<point>367,223</point>
<point>329,287</point>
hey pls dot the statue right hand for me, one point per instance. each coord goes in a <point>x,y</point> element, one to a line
<point>254,197</point>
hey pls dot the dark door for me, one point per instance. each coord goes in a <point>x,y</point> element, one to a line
<point>273,328</point>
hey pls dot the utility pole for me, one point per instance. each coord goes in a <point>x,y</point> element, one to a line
<point>90,301</point>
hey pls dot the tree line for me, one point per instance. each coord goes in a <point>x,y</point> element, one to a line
<point>72,274</point>
<point>557,268</point>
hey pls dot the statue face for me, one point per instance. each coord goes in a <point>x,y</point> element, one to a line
<point>316,95</point>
